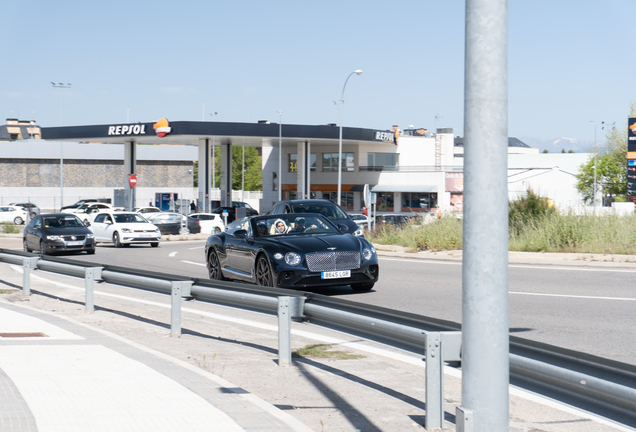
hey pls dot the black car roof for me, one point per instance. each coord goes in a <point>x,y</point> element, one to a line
<point>310,201</point>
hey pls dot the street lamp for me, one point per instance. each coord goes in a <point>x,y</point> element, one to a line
<point>61,86</point>
<point>594,121</point>
<point>357,72</point>
<point>280,155</point>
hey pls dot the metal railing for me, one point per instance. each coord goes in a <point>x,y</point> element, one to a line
<point>602,386</point>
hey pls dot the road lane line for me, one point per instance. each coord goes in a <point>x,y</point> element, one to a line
<point>172,254</point>
<point>574,296</point>
<point>193,263</point>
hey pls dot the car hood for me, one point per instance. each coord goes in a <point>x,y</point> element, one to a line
<point>66,231</point>
<point>317,242</point>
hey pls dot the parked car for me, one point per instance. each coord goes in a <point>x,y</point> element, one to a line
<point>17,215</point>
<point>124,229</point>
<point>87,212</point>
<point>30,207</point>
<point>86,201</point>
<point>329,209</point>
<point>397,220</point>
<point>210,223</point>
<point>362,220</point>
<point>53,233</point>
<point>170,223</point>
<point>292,251</point>
<point>144,210</point>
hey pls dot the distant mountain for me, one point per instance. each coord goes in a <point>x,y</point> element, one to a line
<point>558,144</point>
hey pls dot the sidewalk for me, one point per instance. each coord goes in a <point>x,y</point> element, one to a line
<point>117,369</point>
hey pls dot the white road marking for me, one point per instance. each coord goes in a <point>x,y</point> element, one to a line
<point>193,263</point>
<point>574,296</point>
<point>525,266</point>
<point>172,254</point>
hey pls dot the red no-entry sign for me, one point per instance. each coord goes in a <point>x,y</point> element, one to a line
<point>132,180</point>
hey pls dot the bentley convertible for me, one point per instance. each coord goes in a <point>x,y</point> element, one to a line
<point>292,251</point>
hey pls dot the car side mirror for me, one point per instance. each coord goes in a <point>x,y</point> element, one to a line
<point>38,226</point>
<point>87,224</point>
<point>240,233</point>
<point>343,228</point>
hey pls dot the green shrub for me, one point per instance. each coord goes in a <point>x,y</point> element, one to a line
<point>9,228</point>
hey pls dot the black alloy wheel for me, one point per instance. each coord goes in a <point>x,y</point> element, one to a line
<point>214,267</point>
<point>116,240</point>
<point>263,272</point>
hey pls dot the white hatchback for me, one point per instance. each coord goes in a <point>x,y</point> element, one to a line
<point>210,223</point>
<point>124,229</point>
<point>14,214</point>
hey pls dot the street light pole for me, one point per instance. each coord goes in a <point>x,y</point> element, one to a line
<point>61,86</point>
<point>594,121</point>
<point>357,72</point>
<point>280,155</point>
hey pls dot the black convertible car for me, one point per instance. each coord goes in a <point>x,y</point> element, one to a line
<point>292,251</point>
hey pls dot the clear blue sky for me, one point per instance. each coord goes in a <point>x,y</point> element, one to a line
<point>569,62</point>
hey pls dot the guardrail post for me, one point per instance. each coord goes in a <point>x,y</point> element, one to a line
<point>27,265</point>
<point>288,308</point>
<point>434,381</point>
<point>91,274</point>
<point>180,289</point>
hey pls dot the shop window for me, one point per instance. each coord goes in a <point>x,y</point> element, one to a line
<point>418,201</point>
<point>384,201</point>
<point>346,201</point>
<point>293,162</point>
<point>330,162</point>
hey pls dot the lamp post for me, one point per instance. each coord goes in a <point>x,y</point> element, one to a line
<point>61,86</point>
<point>594,121</point>
<point>357,72</point>
<point>280,155</point>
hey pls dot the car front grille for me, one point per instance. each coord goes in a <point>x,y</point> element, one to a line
<point>331,261</point>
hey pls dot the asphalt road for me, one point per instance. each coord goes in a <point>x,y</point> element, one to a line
<point>584,309</point>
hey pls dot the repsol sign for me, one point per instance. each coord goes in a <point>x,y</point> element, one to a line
<point>137,129</point>
<point>384,136</point>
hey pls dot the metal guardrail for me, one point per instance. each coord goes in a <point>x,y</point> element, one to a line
<point>602,386</point>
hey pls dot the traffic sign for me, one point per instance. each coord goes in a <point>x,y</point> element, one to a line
<point>132,180</point>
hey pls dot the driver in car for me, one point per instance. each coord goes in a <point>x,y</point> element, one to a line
<point>261,228</point>
<point>300,226</point>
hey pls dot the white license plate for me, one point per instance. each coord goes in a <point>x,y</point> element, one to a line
<point>145,235</point>
<point>74,243</point>
<point>336,274</point>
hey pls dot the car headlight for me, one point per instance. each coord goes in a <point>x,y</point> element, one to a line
<point>359,232</point>
<point>292,258</point>
<point>126,230</point>
<point>53,237</point>
<point>90,236</point>
<point>367,253</point>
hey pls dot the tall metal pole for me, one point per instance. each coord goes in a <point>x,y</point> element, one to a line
<point>61,86</point>
<point>594,121</point>
<point>485,349</point>
<point>358,72</point>
<point>280,155</point>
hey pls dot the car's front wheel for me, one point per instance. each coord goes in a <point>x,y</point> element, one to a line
<point>116,240</point>
<point>362,287</point>
<point>18,220</point>
<point>263,273</point>
<point>214,267</point>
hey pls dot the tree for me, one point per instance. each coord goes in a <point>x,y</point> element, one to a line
<point>611,165</point>
<point>253,169</point>
<point>545,151</point>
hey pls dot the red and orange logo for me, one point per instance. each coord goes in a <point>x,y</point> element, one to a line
<point>633,128</point>
<point>162,128</point>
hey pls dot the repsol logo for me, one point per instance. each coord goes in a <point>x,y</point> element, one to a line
<point>384,136</point>
<point>137,129</point>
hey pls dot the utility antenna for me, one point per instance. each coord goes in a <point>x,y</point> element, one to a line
<point>437,117</point>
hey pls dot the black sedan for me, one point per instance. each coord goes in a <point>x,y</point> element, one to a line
<point>171,223</point>
<point>54,233</point>
<point>292,251</point>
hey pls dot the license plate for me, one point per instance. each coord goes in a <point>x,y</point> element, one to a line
<point>145,235</point>
<point>74,243</point>
<point>336,274</point>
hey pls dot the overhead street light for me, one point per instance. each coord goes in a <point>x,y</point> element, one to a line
<point>61,86</point>
<point>357,72</point>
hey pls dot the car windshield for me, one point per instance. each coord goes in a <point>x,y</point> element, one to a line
<point>62,222</point>
<point>290,224</point>
<point>328,210</point>
<point>129,218</point>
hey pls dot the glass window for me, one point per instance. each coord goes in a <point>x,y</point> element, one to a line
<point>418,201</point>
<point>330,162</point>
<point>383,159</point>
<point>385,201</point>
<point>293,162</point>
